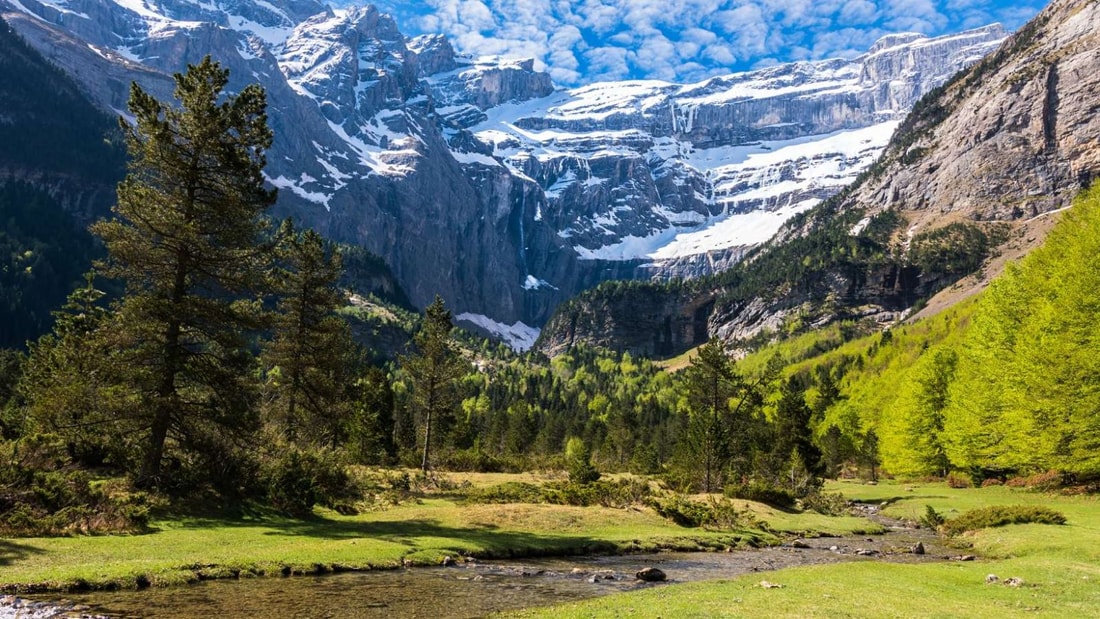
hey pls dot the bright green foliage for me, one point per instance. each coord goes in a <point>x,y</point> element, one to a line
<point>311,359</point>
<point>434,369</point>
<point>1003,385</point>
<point>579,459</point>
<point>1028,394</point>
<point>186,244</point>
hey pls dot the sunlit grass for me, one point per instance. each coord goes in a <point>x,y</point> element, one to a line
<point>1059,566</point>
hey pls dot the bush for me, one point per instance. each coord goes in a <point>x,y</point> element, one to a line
<point>992,481</point>
<point>619,493</point>
<point>762,492</point>
<point>826,503</point>
<point>509,492</point>
<point>296,480</point>
<point>1001,515</point>
<point>931,518</point>
<point>955,480</point>
<point>719,514</point>
<point>1049,480</point>
<point>41,494</point>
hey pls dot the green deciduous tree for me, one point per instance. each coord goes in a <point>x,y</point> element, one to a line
<point>186,242</point>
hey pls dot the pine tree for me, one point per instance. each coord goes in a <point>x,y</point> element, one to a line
<point>186,244</point>
<point>311,357</point>
<point>69,381</point>
<point>711,383</point>
<point>434,369</point>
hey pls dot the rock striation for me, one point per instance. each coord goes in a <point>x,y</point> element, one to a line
<point>477,180</point>
<point>1008,140</point>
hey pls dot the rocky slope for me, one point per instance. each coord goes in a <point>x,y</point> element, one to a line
<point>473,178</point>
<point>1012,139</point>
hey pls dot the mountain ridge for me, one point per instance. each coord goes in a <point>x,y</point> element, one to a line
<point>387,143</point>
<point>976,160</point>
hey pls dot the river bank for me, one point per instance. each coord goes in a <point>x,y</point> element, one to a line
<point>420,531</point>
<point>476,588</point>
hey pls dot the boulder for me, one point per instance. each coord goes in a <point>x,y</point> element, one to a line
<point>650,574</point>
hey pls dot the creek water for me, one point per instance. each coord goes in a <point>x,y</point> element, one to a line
<point>474,589</point>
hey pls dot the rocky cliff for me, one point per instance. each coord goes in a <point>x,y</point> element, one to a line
<point>1009,140</point>
<point>474,178</point>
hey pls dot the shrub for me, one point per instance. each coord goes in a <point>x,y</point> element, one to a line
<point>296,480</point>
<point>826,503</point>
<point>509,492</point>
<point>762,492</point>
<point>619,493</point>
<point>955,480</point>
<point>40,494</point>
<point>1049,480</point>
<point>1001,515</point>
<point>719,514</point>
<point>992,481</point>
<point>931,518</point>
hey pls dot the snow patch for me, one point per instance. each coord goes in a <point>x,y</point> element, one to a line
<point>519,336</point>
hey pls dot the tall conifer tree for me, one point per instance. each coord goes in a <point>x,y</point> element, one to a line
<point>186,244</point>
<point>434,369</point>
<point>312,348</point>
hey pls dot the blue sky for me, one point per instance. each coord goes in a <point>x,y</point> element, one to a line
<point>582,41</point>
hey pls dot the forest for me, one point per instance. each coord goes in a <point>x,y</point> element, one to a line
<point>227,361</point>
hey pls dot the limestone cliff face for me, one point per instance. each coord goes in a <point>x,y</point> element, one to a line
<point>476,179</point>
<point>1015,136</point>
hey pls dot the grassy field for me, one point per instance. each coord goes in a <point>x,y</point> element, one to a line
<point>419,531</point>
<point>1059,567</point>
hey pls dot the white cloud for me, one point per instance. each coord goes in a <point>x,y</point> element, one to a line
<point>583,40</point>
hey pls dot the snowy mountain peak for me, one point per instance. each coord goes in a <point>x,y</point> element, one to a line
<point>476,179</point>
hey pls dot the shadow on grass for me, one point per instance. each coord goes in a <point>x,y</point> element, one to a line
<point>420,534</point>
<point>486,537</point>
<point>896,499</point>
<point>10,552</point>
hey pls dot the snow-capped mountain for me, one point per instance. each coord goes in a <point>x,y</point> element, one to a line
<point>478,181</point>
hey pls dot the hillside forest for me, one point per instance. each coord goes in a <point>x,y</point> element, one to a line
<point>215,352</point>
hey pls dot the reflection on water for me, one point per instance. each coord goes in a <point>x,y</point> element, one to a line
<point>476,589</point>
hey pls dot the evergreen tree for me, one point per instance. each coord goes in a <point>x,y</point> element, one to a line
<point>311,356</point>
<point>711,382</point>
<point>186,244</point>
<point>70,381</point>
<point>434,369</point>
<point>792,431</point>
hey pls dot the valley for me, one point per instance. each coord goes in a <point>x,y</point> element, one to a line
<point>397,323</point>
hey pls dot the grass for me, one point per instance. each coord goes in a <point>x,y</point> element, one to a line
<point>1058,564</point>
<point>416,532</point>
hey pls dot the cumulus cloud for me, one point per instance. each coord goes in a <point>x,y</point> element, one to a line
<point>580,41</point>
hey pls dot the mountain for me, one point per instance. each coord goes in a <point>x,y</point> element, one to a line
<point>966,182</point>
<point>60,159</point>
<point>474,178</point>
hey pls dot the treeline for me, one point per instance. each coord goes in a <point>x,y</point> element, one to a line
<point>1000,387</point>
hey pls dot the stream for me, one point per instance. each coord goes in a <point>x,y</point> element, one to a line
<point>468,589</point>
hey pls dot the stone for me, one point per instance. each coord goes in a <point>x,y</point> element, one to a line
<point>763,584</point>
<point>448,561</point>
<point>866,552</point>
<point>1015,581</point>
<point>799,544</point>
<point>918,548</point>
<point>650,574</point>
<point>991,579</point>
